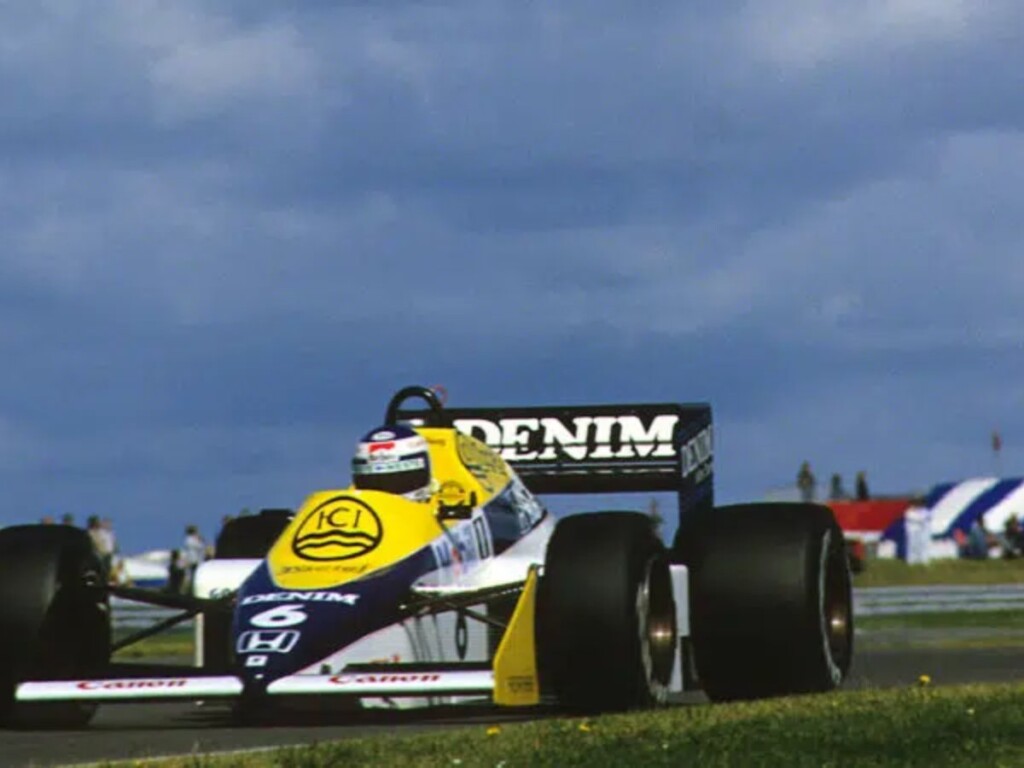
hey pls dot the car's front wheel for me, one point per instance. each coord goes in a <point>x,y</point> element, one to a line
<point>54,619</point>
<point>606,615</point>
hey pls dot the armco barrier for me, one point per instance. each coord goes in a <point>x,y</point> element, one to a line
<point>878,601</point>
<point>873,601</point>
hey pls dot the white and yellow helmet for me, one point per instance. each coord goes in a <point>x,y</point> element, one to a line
<point>394,459</point>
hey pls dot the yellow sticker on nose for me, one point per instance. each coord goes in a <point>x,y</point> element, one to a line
<point>338,529</point>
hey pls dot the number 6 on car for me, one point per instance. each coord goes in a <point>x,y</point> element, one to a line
<point>279,617</point>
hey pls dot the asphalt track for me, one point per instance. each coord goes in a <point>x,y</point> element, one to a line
<point>121,732</point>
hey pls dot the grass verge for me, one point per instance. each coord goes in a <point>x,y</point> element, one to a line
<point>999,620</point>
<point>960,630</point>
<point>896,573</point>
<point>966,726</point>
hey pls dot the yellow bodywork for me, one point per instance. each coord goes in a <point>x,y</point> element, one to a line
<point>341,535</point>
<point>515,664</point>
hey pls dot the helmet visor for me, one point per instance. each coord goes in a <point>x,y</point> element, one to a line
<point>401,476</point>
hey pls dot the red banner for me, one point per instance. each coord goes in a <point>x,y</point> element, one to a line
<point>868,516</point>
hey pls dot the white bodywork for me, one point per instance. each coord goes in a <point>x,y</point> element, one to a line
<point>127,689</point>
<point>216,578</point>
<point>213,579</point>
<point>431,638</point>
<point>442,637</point>
<point>418,640</point>
<point>510,567</point>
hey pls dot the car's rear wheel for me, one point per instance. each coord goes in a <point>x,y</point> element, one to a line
<point>770,600</point>
<point>606,615</point>
<point>54,619</point>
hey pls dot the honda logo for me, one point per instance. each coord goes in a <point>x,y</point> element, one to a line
<point>267,641</point>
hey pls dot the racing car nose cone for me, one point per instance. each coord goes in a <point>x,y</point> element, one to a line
<point>340,528</point>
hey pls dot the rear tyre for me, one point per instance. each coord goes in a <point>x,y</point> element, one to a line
<point>54,620</point>
<point>606,616</point>
<point>770,600</point>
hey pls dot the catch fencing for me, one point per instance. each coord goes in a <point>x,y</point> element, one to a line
<point>868,601</point>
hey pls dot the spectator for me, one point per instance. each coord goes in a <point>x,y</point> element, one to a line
<point>101,543</point>
<point>806,482</point>
<point>67,519</point>
<point>961,541</point>
<point>979,540</point>
<point>862,486</point>
<point>176,569</point>
<point>119,573</point>
<point>194,552</point>
<point>1011,543</point>
<point>917,522</point>
<point>47,520</point>
<point>107,527</point>
<point>836,490</point>
<point>116,572</point>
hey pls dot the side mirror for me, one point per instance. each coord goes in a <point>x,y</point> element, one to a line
<point>456,511</point>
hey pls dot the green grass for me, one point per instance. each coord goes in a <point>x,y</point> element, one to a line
<point>172,644</point>
<point>921,726</point>
<point>959,620</point>
<point>961,630</point>
<point>967,629</point>
<point>891,573</point>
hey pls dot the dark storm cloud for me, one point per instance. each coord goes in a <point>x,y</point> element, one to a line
<point>228,232</point>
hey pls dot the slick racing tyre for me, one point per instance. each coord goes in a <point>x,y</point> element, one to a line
<point>251,536</point>
<point>770,605</point>
<point>606,616</point>
<point>54,619</point>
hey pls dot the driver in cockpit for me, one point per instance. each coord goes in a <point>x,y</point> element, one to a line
<point>395,459</point>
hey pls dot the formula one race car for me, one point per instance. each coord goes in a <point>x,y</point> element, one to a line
<point>475,592</point>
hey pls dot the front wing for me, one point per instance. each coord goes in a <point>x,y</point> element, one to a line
<point>392,683</point>
<point>511,680</point>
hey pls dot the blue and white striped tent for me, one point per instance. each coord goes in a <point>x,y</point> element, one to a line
<point>955,506</point>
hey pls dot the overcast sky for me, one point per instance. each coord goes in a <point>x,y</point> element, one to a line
<point>229,231</point>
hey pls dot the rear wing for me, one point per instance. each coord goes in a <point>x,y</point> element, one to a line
<point>596,448</point>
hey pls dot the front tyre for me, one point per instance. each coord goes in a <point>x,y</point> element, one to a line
<point>54,619</point>
<point>251,536</point>
<point>606,615</point>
